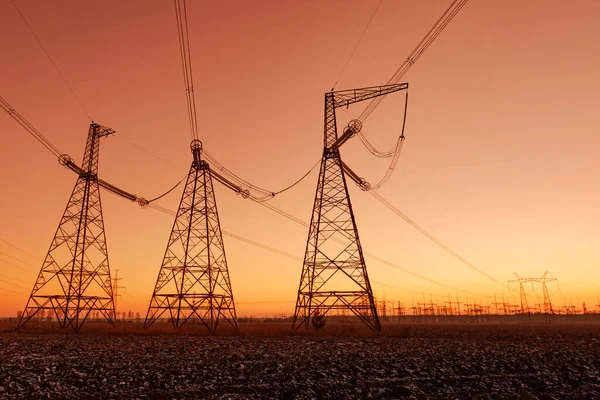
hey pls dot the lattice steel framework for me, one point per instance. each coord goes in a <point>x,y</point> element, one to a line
<point>334,274</point>
<point>193,281</point>
<point>74,280</point>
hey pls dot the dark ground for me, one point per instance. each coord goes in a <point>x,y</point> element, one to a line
<point>425,361</point>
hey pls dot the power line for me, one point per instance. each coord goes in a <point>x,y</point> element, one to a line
<point>148,153</point>
<point>262,246</point>
<point>52,61</point>
<point>16,266</point>
<point>389,205</point>
<point>357,43</point>
<point>29,128</point>
<point>12,291</point>
<point>14,284</point>
<point>186,65</point>
<point>423,45</point>
<point>17,259</point>
<point>20,249</point>
<point>168,191</point>
<point>14,279</point>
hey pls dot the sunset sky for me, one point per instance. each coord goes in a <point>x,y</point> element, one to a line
<point>500,161</point>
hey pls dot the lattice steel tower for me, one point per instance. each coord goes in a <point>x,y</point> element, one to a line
<point>193,280</point>
<point>75,277</point>
<point>334,274</point>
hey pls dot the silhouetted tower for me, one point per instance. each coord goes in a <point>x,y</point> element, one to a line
<point>525,312</point>
<point>334,274</point>
<point>116,286</point>
<point>193,281</point>
<point>548,310</point>
<point>75,277</point>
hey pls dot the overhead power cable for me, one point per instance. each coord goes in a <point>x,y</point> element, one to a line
<point>168,191</point>
<point>186,64</point>
<point>357,43</point>
<point>423,45</point>
<point>395,153</point>
<point>299,180</point>
<point>17,259</point>
<point>20,249</point>
<point>394,150</point>
<point>13,284</point>
<point>52,61</point>
<point>14,279</point>
<point>15,266</point>
<point>389,205</point>
<point>12,291</point>
<point>29,128</point>
<point>412,58</point>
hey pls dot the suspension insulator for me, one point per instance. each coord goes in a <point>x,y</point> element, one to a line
<point>196,145</point>
<point>142,202</point>
<point>353,127</point>
<point>245,193</point>
<point>364,185</point>
<point>65,160</point>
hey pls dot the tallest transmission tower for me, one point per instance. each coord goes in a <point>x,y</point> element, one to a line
<point>334,274</point>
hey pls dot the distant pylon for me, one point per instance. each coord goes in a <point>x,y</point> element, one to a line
<point>525,312</point>
<point>193,281</point>
<point>334,273</point>
<point>548,310</point>
<point>116,295</point>
<point>75,277</point>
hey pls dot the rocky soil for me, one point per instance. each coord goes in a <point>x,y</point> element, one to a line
<point>482,362</point>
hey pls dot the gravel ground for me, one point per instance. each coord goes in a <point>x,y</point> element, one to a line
<point>423,363</point>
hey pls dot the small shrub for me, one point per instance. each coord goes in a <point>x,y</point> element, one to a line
<point>318,319</point>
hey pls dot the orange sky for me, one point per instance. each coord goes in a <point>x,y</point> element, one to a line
<point>499,163</point>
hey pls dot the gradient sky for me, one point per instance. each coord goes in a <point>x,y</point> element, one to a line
<point>500,160</point>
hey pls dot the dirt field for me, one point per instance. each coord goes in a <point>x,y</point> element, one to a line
<point>265,361</point>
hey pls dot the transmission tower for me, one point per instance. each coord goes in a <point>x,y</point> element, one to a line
<point>75,277</point>
<point>116,286</point>
<point>193,281</point>
<point>548,310</point>
<point>525,312</point>
<point>334,274</point>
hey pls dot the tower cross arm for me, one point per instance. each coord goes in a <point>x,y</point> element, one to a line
<point>103,131</point>
<point>346,97</point>
<point>67,162</point>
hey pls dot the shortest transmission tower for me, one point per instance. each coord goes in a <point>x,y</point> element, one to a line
<point>193,281</point>
<point>74,280</point>
<point>525,311</point>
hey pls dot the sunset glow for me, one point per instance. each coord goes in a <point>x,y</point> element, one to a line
<point>499,164</point>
